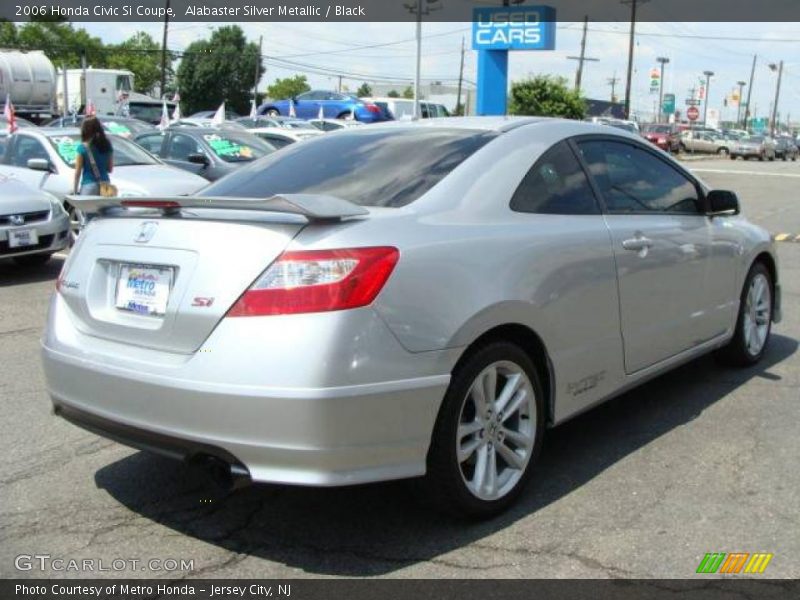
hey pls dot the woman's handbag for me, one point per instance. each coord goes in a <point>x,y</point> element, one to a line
<point>107,189</point>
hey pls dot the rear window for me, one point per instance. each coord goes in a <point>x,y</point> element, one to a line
<point>370,167</point>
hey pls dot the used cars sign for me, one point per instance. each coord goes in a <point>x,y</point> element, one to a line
<point>518,28</point>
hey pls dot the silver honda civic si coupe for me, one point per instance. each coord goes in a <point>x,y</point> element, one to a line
<point>402,300</point>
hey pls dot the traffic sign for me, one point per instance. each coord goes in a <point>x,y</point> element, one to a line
<point>668,106</point>
<point>692,113</point>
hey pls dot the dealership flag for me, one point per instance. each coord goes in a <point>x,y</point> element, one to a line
<point>219,116</point>
<point>253,112</point>
<point>321,114</point>
<point>292,112</point>
<point>8,113</point>
<point>90,110</point>
<point>164,123</point>
<point>176,114</point>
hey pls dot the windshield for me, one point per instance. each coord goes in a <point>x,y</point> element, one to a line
<point>370,167</point>
<point>125,153</point>
<point>234,147</point>
<point>151,113</point>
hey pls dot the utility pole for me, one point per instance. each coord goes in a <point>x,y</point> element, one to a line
<point>258,71</point>
<point>749,92</point>
<point>417,9</point>
<point>339,89</point>
<point>612,81</point>
<point>164,52</point>
<point>741,85</point>
<point>461,78</point>
<point>663,60</point>
<point>582,58</point>
<point>708,75</point>
<point>633,4</point>
<point>779,68</point>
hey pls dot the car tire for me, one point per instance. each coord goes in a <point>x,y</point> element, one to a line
<point>723,152</point>
<point>754,319</point>
<point>272,112</point>
<point>76,223</point>
<point>732,157</point>
<point>32,260</point>
<point>465,453</point>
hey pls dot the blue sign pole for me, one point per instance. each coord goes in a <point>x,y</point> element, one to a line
<point>492,93</point>
<point>495,31</point>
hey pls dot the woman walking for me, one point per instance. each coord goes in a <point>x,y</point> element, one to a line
<point>95,159</point>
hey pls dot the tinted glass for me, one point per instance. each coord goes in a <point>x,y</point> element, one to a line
<point>556,185</point>
<point>180,146</point>
<point>25,149</point>
<point>236,147</point>
<point>151,143</point>
<point>633,180</point>
<point>371,167</point>
<point>126,153</point>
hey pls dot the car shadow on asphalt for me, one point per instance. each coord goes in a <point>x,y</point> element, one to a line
<point>13,274</point>
<point>377,529</point>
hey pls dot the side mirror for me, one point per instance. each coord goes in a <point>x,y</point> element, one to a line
<point>721,202</point>
<point>39,164</point>
<point>197,158</point>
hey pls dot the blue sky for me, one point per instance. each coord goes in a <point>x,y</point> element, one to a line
<point>339,47</point>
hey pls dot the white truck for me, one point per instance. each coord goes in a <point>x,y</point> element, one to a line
<point>111,92</point>
<point>28,79</point>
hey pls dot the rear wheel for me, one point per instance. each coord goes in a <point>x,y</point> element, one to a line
<point>76,222</point>
<point>273,112</point>
<point>722,152</point>
<point>753,325</point>
<point>32,260</point>
<point>488,433</point>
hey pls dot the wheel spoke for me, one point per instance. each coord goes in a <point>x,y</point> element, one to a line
<point>512,459</point>
<point>516,403</point>
<point>478,397</point>
<point>512,385</point>
<point>490,385</point>
<point>467,450</point>
<point>518,437</point>
<point>466,429</point>
<point>490,477</point>
<point>481,465</point>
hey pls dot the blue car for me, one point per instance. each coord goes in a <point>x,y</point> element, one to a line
<point>334,106</point>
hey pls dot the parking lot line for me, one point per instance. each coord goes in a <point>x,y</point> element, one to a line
<point>735,172</point>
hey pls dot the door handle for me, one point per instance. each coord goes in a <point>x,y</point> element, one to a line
<point>638,243</point>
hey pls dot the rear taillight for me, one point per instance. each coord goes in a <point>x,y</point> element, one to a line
<point>373,108</point>
<point>318,281</point>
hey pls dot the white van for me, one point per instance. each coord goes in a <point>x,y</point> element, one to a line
<point>403,109</point>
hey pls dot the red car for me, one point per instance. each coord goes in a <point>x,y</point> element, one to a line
<point>665,137</point>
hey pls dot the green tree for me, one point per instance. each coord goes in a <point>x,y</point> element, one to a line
<point>140,54</point>
<point>393,94</point>
<point>288,87</point>
<point>408,93</point>
<point>546,95</point>
<point>217,70</point>
<point>364,90</point>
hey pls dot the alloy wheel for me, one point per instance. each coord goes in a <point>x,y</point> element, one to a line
<point>757,314</point>
<point>497,430</point>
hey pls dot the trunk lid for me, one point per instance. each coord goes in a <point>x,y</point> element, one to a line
<point>196,268</point>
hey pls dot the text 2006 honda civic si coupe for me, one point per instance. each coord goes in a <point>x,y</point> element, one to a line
<point>402,300</point>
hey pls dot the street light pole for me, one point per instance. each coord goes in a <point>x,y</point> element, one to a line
<point>633,4</point>
<point>663,60</point>
<point>708,75</point>
<point>749,92</point>
<point>779,68</point>
<point>741,85</point>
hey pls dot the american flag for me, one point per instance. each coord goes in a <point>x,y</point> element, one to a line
<point>8,113</point>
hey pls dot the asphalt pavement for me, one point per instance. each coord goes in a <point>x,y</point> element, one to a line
<point>703,459</point>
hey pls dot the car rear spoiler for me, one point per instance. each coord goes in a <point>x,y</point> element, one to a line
<point>314,207</point>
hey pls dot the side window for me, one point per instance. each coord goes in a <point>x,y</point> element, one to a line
<point>24,149</point>
<point>555,185</point>
<point>633,180</point>
<point>151,143</point>
<point>276,141</point>
<point>181,146</point>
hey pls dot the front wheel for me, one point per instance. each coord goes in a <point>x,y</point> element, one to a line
<point>753,325</point>
<point>722,152</point>
<point>273,112</point>
<point>488,433</point>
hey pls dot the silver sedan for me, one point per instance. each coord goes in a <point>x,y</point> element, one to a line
<point>403,300</point>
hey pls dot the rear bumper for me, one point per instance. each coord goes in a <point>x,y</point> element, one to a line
<point>180,406</point>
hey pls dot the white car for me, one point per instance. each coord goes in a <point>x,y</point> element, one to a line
<point>280,137</point>
<point>33,223</point>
